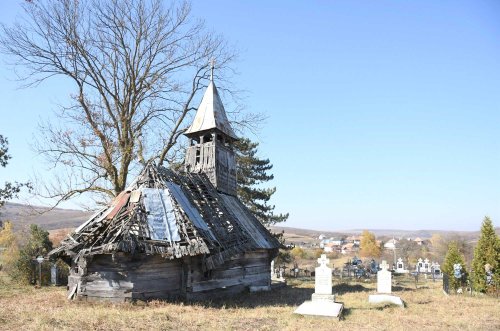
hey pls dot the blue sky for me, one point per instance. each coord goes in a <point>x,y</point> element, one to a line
<point>381,114</point>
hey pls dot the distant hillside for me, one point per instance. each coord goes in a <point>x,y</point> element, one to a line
<point>58,218</point>
<point>297,235</point>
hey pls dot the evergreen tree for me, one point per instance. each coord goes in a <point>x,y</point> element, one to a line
<point>37,244</point>
<point>453,256</point>
<point>252,172</point>
<point>368,245</point>
<point>487,251</point>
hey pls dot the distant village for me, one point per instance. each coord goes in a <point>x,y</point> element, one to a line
<point>350,244</point>
<point>406,255</point>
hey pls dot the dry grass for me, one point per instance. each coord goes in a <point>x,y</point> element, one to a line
<point>26,308</point>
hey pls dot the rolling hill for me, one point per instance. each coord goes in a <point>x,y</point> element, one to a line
<point>22,216</point>
<point>58,218</point>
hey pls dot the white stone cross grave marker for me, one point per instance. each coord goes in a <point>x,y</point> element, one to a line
<point>384,265</point>
<point>384,282</point>
<point>323,277</point>
<point>322,301</point>
<point>384,288</point>
<point>323,260</point>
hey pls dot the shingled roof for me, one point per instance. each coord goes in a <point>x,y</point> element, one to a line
<point>211,115</point>
<point>171,214</point>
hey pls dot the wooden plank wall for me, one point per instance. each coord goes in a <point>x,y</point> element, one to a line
<point>215,160</point>
<point>126,278</point>
<point>235,276</point>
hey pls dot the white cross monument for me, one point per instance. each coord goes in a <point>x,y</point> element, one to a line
<point>384,288</point>
<point>322,301</point>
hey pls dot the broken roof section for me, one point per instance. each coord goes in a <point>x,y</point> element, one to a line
<point>173,215</point>
<point>211,115</point>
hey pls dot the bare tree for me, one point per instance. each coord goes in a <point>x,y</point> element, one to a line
<point>136,66</point>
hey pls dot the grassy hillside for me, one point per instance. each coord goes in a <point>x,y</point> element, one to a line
<point>21,215</point>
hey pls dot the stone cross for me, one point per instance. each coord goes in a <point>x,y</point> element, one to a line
<point>323,278</point>
<point>323,261</point>
<point>322,300</point>
<point>384,282</point>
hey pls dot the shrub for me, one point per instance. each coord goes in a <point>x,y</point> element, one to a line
<point>453,256</point>
<point>38,244</point>
<point>298,252</point>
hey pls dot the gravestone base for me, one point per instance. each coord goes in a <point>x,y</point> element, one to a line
<point>325,297</point>
<point>321,307</point>
<point>385,298</point>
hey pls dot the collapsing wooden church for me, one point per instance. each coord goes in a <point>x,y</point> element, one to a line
<point>175,234</point>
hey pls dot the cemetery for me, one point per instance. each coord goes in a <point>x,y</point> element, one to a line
<point>174,225</point>
<point>272,310</point>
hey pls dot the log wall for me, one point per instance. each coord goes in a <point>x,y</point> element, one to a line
<point>121,277</point>
<point>124,278</point>
<point>235,276</point>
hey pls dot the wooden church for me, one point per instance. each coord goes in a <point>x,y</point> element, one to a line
<point>182,235</point>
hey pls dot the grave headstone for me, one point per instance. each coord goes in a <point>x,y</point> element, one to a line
<point>384,288</point>
<point>384,279</point>
<point>322,301</point>
<point>400,266</point>
<point>420,265</point>
<point>436,270</point>
<point>323,277</point>
<point>427,267</point>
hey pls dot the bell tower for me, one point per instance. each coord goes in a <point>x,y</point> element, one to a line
<point>211,139</point>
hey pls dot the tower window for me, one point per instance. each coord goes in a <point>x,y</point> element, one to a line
<point>207,138</point>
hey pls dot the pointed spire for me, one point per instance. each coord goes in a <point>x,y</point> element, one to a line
<point>211,113</point>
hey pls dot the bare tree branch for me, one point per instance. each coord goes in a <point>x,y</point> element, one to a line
<point>136,68</point>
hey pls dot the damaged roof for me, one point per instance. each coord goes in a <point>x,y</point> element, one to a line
<point>173,215</point>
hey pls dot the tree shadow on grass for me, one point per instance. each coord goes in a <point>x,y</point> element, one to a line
<point>402,289</point>
<point>348,288</point>
<point>285,296</point>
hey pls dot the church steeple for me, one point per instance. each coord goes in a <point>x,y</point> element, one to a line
<point>211,138</point>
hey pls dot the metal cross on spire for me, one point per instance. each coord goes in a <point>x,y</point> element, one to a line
<point>212,66</point>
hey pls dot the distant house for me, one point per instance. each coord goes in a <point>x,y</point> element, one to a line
<point>391,244</point>
<point>349,248</point>
<point>332,247</point>
<point>323,243</point>
<point>337,241</point>
<point>328,248</point>
<point>419,241</point>
<point>321,237</point>
<point>356,240</point>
